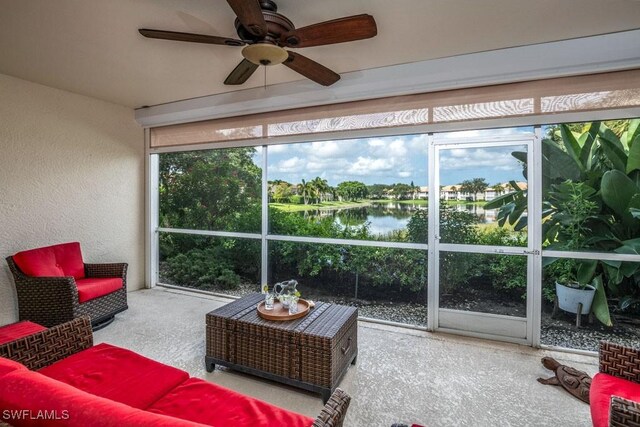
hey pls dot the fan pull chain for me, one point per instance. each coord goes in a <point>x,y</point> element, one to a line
<point>265,78</point>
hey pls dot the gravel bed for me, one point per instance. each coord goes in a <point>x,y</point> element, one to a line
<point>560,332</point>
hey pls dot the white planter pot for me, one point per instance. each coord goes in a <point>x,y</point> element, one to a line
<point>569,298</point>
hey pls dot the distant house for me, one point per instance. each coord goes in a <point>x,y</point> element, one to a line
<point>422,193</point>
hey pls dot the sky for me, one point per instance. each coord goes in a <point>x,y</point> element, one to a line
<point>388,160</point>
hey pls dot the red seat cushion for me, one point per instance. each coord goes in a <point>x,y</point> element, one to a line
<point>14,331</point>
<point>118,374</point>
<point>8,365</point>
<point>91,288</point>
<point>207,403</point>
<point>28,398</point>
<point>603,386</point>
<point>52,261</point>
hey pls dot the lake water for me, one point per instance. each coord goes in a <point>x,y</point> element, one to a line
<point>384,218</point>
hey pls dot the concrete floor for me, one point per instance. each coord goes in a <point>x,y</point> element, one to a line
<point>402,375</point>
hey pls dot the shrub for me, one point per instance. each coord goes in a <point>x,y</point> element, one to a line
<point>202,268</point>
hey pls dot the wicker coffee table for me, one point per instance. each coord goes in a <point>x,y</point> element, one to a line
<point>312,353</point>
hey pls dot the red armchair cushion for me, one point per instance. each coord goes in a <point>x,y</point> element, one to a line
<point>194,399</point>
<point>8,365</point>
<point>28,394</point>
<point>14,331</point>
<point>52,261</point>
<point>117,374</point>
<point>91,288</point>
<point>603,386</point>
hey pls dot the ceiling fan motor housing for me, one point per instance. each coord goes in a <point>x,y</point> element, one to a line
<point>277,24</point>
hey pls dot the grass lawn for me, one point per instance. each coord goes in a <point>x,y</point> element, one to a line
<point>291,207</point>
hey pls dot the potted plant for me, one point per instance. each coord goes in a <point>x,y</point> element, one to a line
<point>574,294</point>
<point>574,289</point>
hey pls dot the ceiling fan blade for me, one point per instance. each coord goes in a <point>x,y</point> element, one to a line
<point>188,37</point>
<point>241,73</point>
<point>311,69</point>
<point>340,30</point>
<point>249,13</point>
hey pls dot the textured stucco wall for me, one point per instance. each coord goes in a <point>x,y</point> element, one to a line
<point>71,169</point>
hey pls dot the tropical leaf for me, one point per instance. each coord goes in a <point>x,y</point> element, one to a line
<point>631,246</point>
<point>586,270</point>
<point>633,132</point>
<point>633,160</point>
<point>500,201</point>
<point>571,144</point>
<point>617,191</point>
<point>599,306</point>
<point>587,140</point>
<point>560,164</point>
<point>613,149</point>
<point>521,224</point>
<point>628,269</point>
<point>520,155</point>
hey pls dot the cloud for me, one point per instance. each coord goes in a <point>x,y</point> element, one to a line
<point>470,158</point>
<point>326,149</point>
<point>369,165</point>
<point>375,142</point>
<point>293,164</point>
<point>397,148</point>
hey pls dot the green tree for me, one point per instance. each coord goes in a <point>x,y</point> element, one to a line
<point>206,189</point>
<point>352,190</point>
<point>282,191</point>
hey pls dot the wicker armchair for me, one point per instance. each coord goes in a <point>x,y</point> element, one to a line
<point>51,301</point>
<point>621,362</point>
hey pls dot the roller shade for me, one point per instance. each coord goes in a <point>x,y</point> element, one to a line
<point>560,95</point>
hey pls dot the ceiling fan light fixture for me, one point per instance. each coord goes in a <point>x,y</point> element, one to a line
<point>265,54</point>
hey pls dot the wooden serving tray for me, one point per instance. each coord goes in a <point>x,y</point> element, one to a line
<point>279,313</point>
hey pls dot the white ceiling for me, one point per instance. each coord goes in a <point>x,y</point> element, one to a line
<point>92,47</point>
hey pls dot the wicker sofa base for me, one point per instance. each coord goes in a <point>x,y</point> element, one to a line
<point>312,353</point>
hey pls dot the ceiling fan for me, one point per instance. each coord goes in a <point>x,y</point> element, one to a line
<point>265,33</point>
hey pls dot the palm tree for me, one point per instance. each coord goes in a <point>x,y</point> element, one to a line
<point>320,187</point>
<point>304,189</point>
<point>499,189</point>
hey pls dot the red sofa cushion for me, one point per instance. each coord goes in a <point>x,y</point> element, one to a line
<point>14,331</point>
<point>91,288</point>
<point>195,400</point>
<point>28,398</point>
<point>52,261</point>
<point>8,365</point>
<point>603,386</point>
<point>118,374</point>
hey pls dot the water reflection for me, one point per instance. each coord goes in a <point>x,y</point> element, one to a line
<point>387,217</point>
<point>486,216</point>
